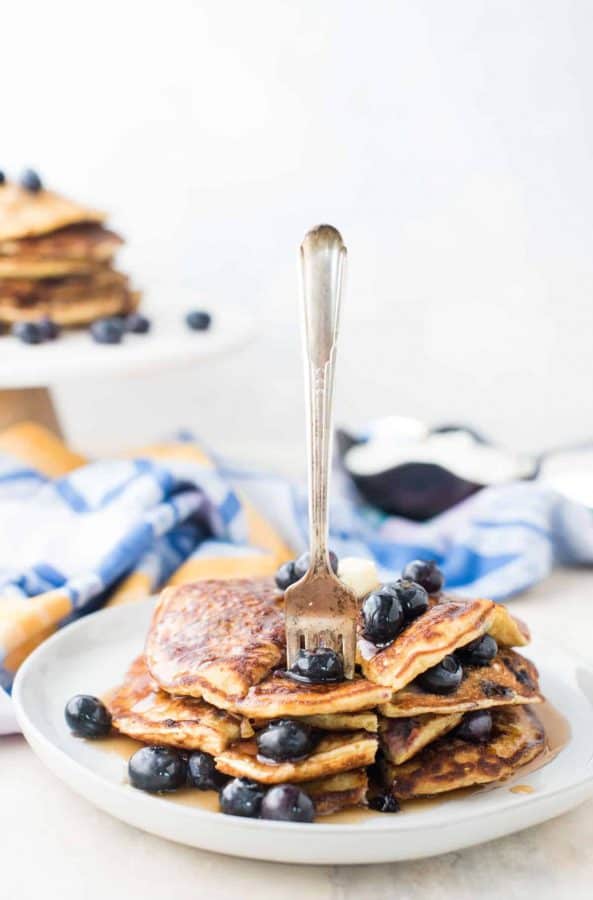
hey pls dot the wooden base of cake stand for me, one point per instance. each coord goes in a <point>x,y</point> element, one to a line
<point>33,404</point>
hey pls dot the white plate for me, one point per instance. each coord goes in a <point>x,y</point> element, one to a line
<point>169,343</point>
<point>91,655</point>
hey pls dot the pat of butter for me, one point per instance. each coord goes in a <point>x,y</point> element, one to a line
<point>359,574</point>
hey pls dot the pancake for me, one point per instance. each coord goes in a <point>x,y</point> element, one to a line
<point>337,792</point>
<point>335,753</point>
<point>451,763</point>
<point>73,300</point>
<point>278,696</point>
<point>448,624</point>
<point>216,636</point>
<point>507,630</point>
<point>362,721</point>
<point>71,313</point>
<point>142,711</point>
<point>88,242</point>
<point>508,680</point>
<point>401,739</point>
<point>26,214</point>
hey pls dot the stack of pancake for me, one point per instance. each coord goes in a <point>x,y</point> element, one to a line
<point>212,676</point>
<point>56,261</point>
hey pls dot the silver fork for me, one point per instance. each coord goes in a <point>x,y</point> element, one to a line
<point>320,610</point>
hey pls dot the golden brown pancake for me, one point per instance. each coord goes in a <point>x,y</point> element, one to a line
<point>278,696</point>
<point>337,792</point>
<point>142,711</point>
<point>74,300</point>
<point>87,242</point>
<point>336,752</point>
<point>447,625</point>
<point>508,680</point>
<point>450,763</point>
<point>25,214</point>
<point>507,630</point>
<point>218,637</point>
<point>356,721</point>
<point>401,739</point>
<point>77,249</point>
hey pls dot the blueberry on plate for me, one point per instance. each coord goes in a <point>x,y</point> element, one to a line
<point>137,323</point>
<point>285,740</point>
<point>285,576</point>
<point>28,332</point>
<point>86,716</point>
<point>108,331</point>
<point>198,320</point>
<point>318,666</point>
<point>412,596</point>
<point>426,573</point>
<point>384,803</point>
<point>301,565</point>
<point>157,769</point>
<point>202,772</point>
<point>383,616</point>
<point>31,181</point>
<point>287,803</point>
<point>476,726</point>
<point>50,330</point>
<point>444,678</point>
<point>242,797</point>
<point>480,652</point>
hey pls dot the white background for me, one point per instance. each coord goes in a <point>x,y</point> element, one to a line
<point>450,141</point>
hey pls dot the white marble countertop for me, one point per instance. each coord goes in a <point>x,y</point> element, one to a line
<point>54,844</point>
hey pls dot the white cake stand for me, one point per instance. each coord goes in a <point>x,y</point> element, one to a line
<point>28,372</point>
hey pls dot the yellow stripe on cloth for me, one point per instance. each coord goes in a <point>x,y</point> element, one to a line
<point>39,448</point>
<point>23,620</point>
<point>252,566</point>
<point>135,587</point>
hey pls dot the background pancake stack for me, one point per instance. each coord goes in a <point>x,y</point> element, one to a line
<point>56,261</point>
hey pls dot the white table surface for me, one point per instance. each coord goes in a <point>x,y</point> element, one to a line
<point>54,844</point>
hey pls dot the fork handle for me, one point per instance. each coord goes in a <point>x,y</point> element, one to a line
<point>323,258</point>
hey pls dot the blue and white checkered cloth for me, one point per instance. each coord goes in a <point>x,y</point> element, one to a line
<point>123,528</point>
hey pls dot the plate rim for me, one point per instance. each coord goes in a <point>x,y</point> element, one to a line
<point>391,824</point>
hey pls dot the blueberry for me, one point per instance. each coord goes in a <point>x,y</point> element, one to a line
<point>242,797</point>
<point>284,740</point>
<point>287,803</point>
<point>412,597</point>
<point>2,178</point>
<point>108,331</point>
<point>31,181</point>
<point>443,678</point>
<point>384,803</point>
<point>87,716</point>
<point>480,652</point>
<point>318,666</point>
<point>198,320</point>
<point>137,323</point>
<point>301,565</point>
<point>50,330</point>
<point>476,727</point>
<point>383,616</point>
<point>157,768</point>
<point>28,332</point>
<point>285,575</point>
<point>426,573</point>
<point>202,773</point>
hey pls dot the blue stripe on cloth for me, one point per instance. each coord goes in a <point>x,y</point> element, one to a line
<point>229,507</point>
<point>70,495</point>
